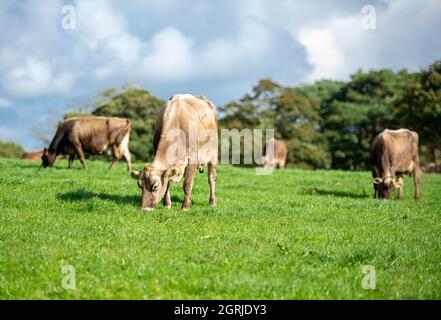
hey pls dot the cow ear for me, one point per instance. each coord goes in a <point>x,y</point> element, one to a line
<point>135,174</point>
<point>377,180</point>
<point>176,172</point>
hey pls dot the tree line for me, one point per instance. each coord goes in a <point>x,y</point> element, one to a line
<point>327,124</point>
<point>331,124</point>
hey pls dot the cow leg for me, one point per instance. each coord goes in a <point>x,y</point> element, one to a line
<point>376,194</point>
<point>80,153</point>
<point>190,172</point>
<point>128,157</point>
<point>167,197</point>
<point>114,160</point>
<point>212,175</point>
<point>70,161</point>
<point>416,181</point>
<point>400,188</point>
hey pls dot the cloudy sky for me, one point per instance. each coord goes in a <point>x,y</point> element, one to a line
<point>219,48</point>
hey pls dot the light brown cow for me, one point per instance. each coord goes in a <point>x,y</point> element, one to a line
<point>280,153</point>
<point>394,153</point>
<point>185,140</point>
<point>32,155</point>
<point>90,134</point>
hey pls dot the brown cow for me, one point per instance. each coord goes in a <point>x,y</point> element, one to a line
<point>32,155</point>
<point>185,140</point>
<point>90,134</point>
<point>280,153</point>
<point>393,153</point>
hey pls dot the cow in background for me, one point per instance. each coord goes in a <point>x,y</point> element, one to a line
<point>280,153</point>
<point>32,155</point>
<point>432,168</point>
<point>95,135</point>
<point>394,153</point>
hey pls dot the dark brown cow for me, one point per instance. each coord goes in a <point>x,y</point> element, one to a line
<point>393,153</point>
<point>90,134</point>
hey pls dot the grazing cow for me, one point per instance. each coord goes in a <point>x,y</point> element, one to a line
<point>280,153</point>
<point>432,168</point>
<point>185,140</point>
<point>32,155</point>
<point>393,153</point>
<point>90,134</point>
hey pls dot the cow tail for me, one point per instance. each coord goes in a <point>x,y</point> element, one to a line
<point>124,131</point>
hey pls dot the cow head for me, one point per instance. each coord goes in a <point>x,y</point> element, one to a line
<point>267,162</point>
<point>384,187</point>
<point>153,182</point>
<point>48,158</point>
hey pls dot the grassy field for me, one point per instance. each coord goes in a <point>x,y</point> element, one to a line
<point>291,235</point>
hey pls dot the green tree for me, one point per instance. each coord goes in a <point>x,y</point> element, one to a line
<point>10,150</point>
<point>361,109</point>
<point>297,122</point>
<point>294,117</point>
<point>420,108</point>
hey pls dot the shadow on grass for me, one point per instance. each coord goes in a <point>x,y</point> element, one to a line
<point>83,195</point>
<point>38,167</point>
<point>176,198</point>
<point>335,193</point>
<point>134,200</point>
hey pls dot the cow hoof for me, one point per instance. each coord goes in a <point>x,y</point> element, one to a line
<point>213,202</point>
<point>148,209</point>
<point>185,208</point>
<point>168,206</point>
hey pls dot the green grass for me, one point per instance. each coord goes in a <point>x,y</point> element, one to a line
<point>291,235</point>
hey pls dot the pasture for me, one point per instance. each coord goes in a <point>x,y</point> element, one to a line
<point>291,235</point>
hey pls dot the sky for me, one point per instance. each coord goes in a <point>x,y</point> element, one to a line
<point>55,54</point>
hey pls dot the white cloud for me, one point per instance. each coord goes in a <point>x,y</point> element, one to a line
<point>36,77</point>
<point>97,22</point>
<point>337,47</point>
<point>217,48</point>
<point>174,56</point>
<point>110,45</point>
<point>323,54</point>
<point>125,47</point>
<point>4,103</point>
<point>105,31</point>
<point>171,56</point>
<point>238,55</point>
<point>104,72</point>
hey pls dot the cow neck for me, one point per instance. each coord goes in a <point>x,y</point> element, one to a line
<point>160,160</point>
